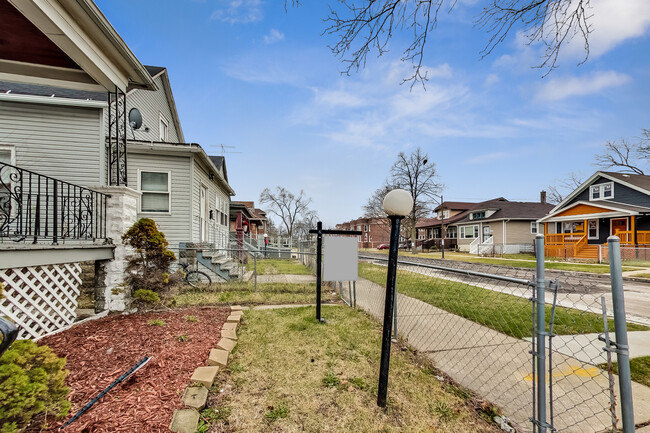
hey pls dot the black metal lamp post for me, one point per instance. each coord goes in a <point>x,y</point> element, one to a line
<point>398,203</point>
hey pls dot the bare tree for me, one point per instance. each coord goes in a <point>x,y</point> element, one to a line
<point>626,156</point>
<point>365,26</point>
<point>417,175</point>
<point>286,206</point>
<point>308,221</point>
<point>562,187</point>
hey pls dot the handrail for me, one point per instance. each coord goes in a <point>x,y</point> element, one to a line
<point>37,207</point>
<point>563,238</point>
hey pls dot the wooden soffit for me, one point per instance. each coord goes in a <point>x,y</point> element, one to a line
<point>583,209</point>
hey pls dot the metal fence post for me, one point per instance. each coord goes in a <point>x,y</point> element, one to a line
<point>255,270</point>
<point>395,313</point>
<point>620,330</point>
<point>319,261</point>
<point>540,350</point>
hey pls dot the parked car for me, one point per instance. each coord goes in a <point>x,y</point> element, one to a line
<point>382,247</point>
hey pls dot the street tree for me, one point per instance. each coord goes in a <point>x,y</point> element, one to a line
<point>562,187</point>
<point>308,221</point>
<point>626,156</point>
<point>415,174</point>
<point>287,206</point>
<point>362,27</point>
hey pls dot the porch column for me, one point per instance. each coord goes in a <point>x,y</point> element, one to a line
<point>121,213</point>
<point>632,218</point>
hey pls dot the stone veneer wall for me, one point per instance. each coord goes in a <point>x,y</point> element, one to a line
<point>121,213</point>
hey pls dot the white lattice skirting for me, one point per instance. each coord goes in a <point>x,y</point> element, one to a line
<point>40,299</point>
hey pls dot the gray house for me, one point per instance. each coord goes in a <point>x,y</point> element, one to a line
<point>182,188</point>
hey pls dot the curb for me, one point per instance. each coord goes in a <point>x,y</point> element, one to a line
<point>194,398</point>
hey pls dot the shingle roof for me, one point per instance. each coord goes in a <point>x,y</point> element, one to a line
<point>59,92</point>
<point>638,180</point>
<point>511,210</point>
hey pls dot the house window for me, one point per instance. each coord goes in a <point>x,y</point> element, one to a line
<point>468,232</point>
<point>478,215</point>
<point>6,156</point>
<point>602,191</point>
<point>592,227</point>
<point>451,232</point>
<point>155,188</point>
<point>533,228</point>
<point>365,228</point>
<point>164,128</point>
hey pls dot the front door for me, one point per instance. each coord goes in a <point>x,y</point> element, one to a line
<point>619,225</point>
<point>486,233</point>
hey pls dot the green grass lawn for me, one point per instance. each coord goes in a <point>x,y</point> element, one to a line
<point>510,260</point>
<point>244,293</point>
<point>279,266</point>
<point>639,368</point>
<point>290,373</point>
<point>502,312</point>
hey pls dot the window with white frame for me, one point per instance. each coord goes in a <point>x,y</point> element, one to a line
<point>155,188</point>
<point>468,232</point>
<point>592,227</point>
<point>601,191</point>
<point>534,229</point>
<point>451,232</point>
<point>164,128</point>
<point>6,156</point>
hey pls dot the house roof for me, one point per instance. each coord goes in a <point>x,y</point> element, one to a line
<point>255,214</point>
<point>638,182</point>
<point>456,205</point>
<point>11,88</point>
<point>82,32</point>
<point>433,222</point>
<point>220,162</point>
<point>505,209</point>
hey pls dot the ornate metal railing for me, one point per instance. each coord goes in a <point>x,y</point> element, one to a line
<point>34,207</point>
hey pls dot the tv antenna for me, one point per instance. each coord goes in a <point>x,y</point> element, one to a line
<point>224,147</point>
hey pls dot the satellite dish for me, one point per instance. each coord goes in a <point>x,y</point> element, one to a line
<point>135,118</point>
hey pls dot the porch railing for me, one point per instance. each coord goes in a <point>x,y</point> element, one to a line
<point>642,237</point>
<point>34,207</point>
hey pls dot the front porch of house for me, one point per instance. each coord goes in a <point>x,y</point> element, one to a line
<point>584,238</point>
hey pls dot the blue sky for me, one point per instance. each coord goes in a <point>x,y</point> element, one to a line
<point>245,73</point>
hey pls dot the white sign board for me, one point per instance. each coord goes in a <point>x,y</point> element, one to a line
<point>341,258</point>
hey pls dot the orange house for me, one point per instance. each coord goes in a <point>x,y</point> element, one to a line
<point>606,204</point>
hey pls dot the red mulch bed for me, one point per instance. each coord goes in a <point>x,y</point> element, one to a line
<point>100,351</point>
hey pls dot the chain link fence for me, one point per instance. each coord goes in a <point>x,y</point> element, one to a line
<point>476,322</point>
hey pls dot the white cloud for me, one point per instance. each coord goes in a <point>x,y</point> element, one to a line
<point>274,36</point>
<point>612,22</point>
<point>239,11</point>
<point>562,88</point>
<point>491,79</point>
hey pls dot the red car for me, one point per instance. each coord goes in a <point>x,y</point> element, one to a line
<point>382,247</point>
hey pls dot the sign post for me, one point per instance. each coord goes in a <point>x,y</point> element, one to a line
<point>319,259</point>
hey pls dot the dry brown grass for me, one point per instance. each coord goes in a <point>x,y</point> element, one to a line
<point>290,373</point>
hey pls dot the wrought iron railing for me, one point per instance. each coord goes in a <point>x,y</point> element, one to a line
<point>34,208</point>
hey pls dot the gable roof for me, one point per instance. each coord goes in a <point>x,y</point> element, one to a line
<point>637,182</point>
<point>220,162</point>
<point>518,210</point>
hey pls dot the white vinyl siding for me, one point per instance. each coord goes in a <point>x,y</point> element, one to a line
<point>217,233</point>
<point>152,105</point>
<point>175,224</point>
<point>57,141</point>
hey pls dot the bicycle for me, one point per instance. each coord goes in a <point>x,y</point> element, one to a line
<point>195,278</point>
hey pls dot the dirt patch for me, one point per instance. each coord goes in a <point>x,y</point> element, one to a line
<point>100,351</point>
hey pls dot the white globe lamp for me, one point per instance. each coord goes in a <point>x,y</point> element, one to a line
<point>398,202</point>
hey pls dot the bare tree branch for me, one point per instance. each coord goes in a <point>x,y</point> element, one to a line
<point>624,155</point>
<point>365,26</point>
<point>562,187</point>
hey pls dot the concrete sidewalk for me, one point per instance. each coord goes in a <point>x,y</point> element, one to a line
<point>498,367</point>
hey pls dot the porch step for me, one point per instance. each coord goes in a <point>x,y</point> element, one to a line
<point>588,252</point>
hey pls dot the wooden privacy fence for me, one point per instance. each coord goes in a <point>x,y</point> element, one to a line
<point>40,299</point>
